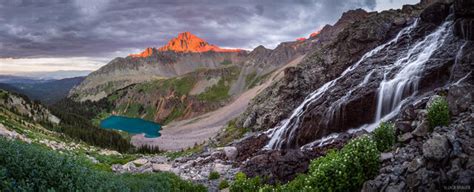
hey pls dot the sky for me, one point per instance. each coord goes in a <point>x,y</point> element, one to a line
<point>51,35</point>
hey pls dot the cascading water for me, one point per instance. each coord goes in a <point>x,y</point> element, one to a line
<point>287,129</point>
<point>400,81</point>
<point>407,71</point>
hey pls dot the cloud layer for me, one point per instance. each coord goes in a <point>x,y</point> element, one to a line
<point>106,28</point>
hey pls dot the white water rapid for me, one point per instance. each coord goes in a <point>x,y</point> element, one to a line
<point>400,81</point>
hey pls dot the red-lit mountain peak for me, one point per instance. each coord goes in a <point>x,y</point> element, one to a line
<point>185,42</point>
<point>188,42</point>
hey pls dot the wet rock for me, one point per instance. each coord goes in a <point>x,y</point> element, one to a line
<point>435,13</point>
<point>464,8</point>
<point>436,148</point>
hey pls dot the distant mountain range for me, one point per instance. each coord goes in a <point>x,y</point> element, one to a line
<point>46,91</point>
<point>60,74</point>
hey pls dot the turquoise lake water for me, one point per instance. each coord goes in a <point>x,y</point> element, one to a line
<point>132,125</point>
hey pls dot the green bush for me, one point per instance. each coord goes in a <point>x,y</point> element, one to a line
<point>344,170</point>
<point>384,136</point>
<point>242,183</point>
<point>438,113</point>
<point>347,169</point>
<point>25,167</point>
<point>214,175</point>
<point>223,184</point>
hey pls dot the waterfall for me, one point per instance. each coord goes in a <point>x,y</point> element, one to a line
<point>286,131</point>
<point>407,71</point>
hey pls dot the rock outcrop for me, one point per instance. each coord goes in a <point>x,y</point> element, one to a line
<point>23,106</point>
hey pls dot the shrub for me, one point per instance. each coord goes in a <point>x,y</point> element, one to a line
<point>384,136</point>
<point>26,167</point>
<point>438,113</point>
<point>223,184</point>
<point>242,183</point>
<point>214,175</point>
<point>344,170</point>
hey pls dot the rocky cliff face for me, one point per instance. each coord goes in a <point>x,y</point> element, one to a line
<point>342,45</point>
<point>386,67</point>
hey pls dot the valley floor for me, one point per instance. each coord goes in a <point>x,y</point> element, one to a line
<point>184,134</point>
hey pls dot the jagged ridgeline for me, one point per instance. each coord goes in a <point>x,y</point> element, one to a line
<point>370,85</point>
<point>181,82</point>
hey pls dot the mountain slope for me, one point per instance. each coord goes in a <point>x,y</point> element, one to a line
<point>153,64</point>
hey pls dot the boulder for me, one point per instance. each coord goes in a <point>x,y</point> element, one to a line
<point>436,148</point>
<point>129,167</point>
<point>231,152</point>
<point>422,129</point>
<point>403,126</point>
<point>161,167</point>
<point>386,156</point>
<point>408,113</point>
<point>141,161</point>
<point>405,137</point>
<point>159,159</point>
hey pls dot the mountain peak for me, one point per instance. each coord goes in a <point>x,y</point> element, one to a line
<point>188,42</point>
<point>185,42</point>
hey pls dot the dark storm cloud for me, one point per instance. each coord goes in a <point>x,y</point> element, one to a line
<point>100,27</point>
